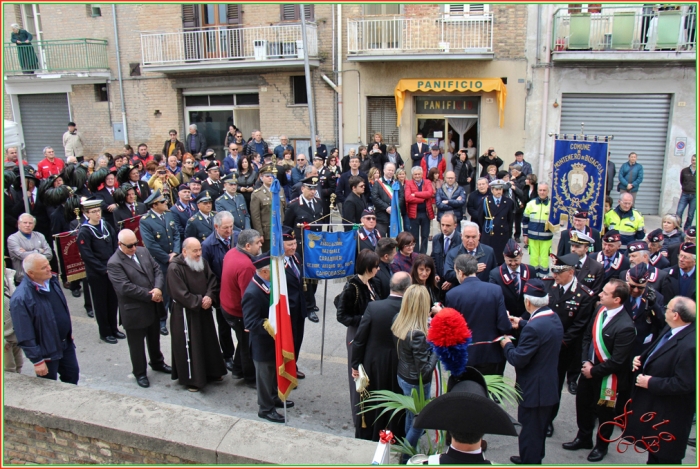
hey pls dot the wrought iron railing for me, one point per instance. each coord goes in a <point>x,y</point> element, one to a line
<point>222,43</point>
<point>63,55</point>
<point>455,34</point>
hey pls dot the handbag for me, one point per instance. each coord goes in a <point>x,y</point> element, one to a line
<point>362,381</point>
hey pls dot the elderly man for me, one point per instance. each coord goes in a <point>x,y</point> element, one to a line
<point>382,195</point>
<point>195,349</point>
<point>319,149</point>
<point>638,253</point>
<point>195,142</point>
<point>495,217</point>
<point>368,236</point>
<point>419,196</point>
<point>238,270</point>
<point>309,171</point>
<point>25,242</point>
<point>298,172</point>
<point>284,145</point>
<point>628,221</point>
<point>682,277</point>
<point>612,260</point>
<point>73,142</point>
<point>295,291</point>
<point>476,198</point>
<point>538,232</point>
<point>256,145</point>
<point>49,165</point>
<point>520,160</point>
<point>139,284</point>
<point>233,202</point>
<point>512,276</point>
<point>486,260</point>
<point>657,253</point>
<point>450,197</point>
<point>42,322</point>
<point>230,163</point>
<point>580,224</point>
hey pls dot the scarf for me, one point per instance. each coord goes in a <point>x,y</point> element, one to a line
<point>608,388</point>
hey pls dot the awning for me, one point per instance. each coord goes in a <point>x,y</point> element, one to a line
<point>451,84</point>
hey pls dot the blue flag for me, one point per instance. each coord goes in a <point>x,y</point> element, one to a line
<point>329,254</point>
<point>276,243</point>
<point>396,221</point>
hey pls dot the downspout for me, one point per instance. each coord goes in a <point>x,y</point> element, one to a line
<point>545,93</point>
<point>119,72</point>
<point>339,89</point>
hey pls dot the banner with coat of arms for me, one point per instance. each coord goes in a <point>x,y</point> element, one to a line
<point>578,179</point>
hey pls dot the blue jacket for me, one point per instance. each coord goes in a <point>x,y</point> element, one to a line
<point>230,165</point>
<point>214,251</point>
<point>535,358</point>
<point>630,175</point>
<point>484,255</point>
<point>452,205</point>
<point>484,309</point>
<point>35,323</point>
<point>161,238</point>
<point>297,175</point>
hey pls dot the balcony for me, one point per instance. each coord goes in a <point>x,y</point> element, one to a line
<point>624,33</point>
<point>443,37</point>
<point>53,58</point>
<point>222,48</point>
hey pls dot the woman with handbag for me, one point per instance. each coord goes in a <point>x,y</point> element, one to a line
<point>416,358</point>
<point>358,291</point>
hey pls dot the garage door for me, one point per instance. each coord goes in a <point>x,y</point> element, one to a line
<point>639,123</point>
<point>45,119</point>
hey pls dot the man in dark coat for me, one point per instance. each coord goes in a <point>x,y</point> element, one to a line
<point>476,198</point>
<point>183,209</point>
<point>483,308</point>
<point>127,204</point>
<point>106,194</point>
<point>638,253</point>
<point>367,235</point>
<point>682,277</point>
<point>657,257</point>
<point>448,238</point>
<point>612,260</point>
<point>343,189</point>
<point>535,362</point>
<point>588,271</point>
<point>512,276</point>
<point>139,284</point>
<point>295,291</point>
<point>201,224</point>
<point>130,174</point>
<point>470,245</point>
<point>605,370</point>
<point>646,308</point>
<point>195,142</point>
<point>495,217</point>
<point>256,310</point>
<point>666,384</point>
<point>386,250</point>
<point>418,150</point>
<point>196,356</point>
<point>213,182</point>
<point>580,224</point>
<point>381,195</point>
<point>355,203</point>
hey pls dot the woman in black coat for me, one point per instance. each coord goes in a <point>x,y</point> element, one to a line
<point>357,293</point>
<point>246,178</point>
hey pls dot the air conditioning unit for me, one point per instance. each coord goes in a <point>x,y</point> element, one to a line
<point>300,49</point>
<point>260,49</point>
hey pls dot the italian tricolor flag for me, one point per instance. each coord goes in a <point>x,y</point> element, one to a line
<point>608,388</point>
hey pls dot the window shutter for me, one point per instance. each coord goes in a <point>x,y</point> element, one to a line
<point>190,16</point>
<point>233,13</point>
<point>290,12</point>
<point>381,117</point>
<point>466,8</point>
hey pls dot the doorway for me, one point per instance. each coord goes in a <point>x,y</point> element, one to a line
<point>445,131</point>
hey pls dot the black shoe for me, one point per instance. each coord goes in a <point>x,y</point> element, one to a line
<point>120,335</point>
<point>163,330</point>
<point>573,387</point>
<point>279,404</point>
<point>315,308</point>
<point>578,444</point>
<point>91,313</point>
<point>109,339</point>
<point>516,460</point>
<point>143,381</point>
<point>75,293</point>
<point>550,430</point>
<point>164,368</point>
<point>691,442</point>
<point>300,375</point>
<point>517,240</point>
<point>66,285</point>
<point>312,316</point>
<point>235,375</point>
<point>229,364</point>
<point>597,454</point>
<point>272,416</point>
<point>251,384</point>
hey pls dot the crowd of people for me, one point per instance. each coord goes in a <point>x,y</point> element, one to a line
<point>187,236</point>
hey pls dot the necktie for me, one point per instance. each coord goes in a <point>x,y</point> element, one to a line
<point>311,205</point>
<point>561,291</point>
<point>661,343</point>
<point>516,277</point>
<point>606,261</point>
<point>133,211</point>
<point>135,259</point>
<point>31,200</point>
<point>498,202</point>
<point>447,245</point>
<point>372,239</point>
<point>472,253</point>
<point>294,267</point>
<point>635,306</point>
<point>227,242</point>
<point>138,190</point>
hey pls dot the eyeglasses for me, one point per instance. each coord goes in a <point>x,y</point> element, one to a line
<point>361,186</point>
<point>411,245</point>
<point>370,218</point>
<point>637,287</point>
<point>189,162</point>
<point>301,159</point>
<point>128,246</point>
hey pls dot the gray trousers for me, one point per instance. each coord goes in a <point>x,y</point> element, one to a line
<point>266,380</point>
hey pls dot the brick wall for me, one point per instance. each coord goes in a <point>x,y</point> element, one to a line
<point>34,444</point>
<point>509,30</point>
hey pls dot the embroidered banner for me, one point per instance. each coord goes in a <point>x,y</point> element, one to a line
<point>329,255</point>
<point>133,225</point>
<point>68,250</point>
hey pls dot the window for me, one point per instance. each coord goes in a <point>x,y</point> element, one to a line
<point>135,69</point>
<point>101,95</point>
<point>93,10</point>
<point>290,12</point>
<point>467,8</point>
<point>299,90</point>
<point>383,8</point>
<point>381,117</point>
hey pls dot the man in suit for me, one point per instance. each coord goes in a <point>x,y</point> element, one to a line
<point>580,224</point>
<point>386,250</point>
<point>483,308</point>
<point>682,276</point>
<point>470,245</point>
<point>512,276</point>
<point>657,257</point>
<point>306,209</point>
<point>368,236</point>
<point>495,218</point>
<point>200,225</point>
<point>234,203</point>
<point>612,260</point>
<point>128,205</point>
<point>161,237</point>
<point>106,195</point>
<point>295,291</point>
<point>638,253</point>
<point>381,196</point>
<point>535,362</point>
<point>256,308</point>
<point>184,208</point>
<point>418,150</point>
<point>605,370</point>
<point>130,174</point>
<point>666,383</point>
<point>139,284</point>
<point>448,238</point>
<point>588,271</point>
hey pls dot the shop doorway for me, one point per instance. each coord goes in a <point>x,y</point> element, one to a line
<point>445,131</point>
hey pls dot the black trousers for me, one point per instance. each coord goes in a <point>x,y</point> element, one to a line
<point>310,295</point>
<point>242,361</point>
<point>266,378</point>
<point>137,352</point>
<point>567,354</point>
<point>653,459</point>
<point>166,296</point>
<point>298,322</point>
<point>67,367</point>
<point>421,224</point>
<point>587,410</point>
<point>518,224</point>
<point>574,371</point>
<point>531,441</point>
<point>225,338</point>
<point>105,304</point>
<point>87,300</point>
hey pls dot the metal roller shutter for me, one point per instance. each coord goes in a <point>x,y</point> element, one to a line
<point>45,119</point>
<point>639,123</point>
<point>381,117</point>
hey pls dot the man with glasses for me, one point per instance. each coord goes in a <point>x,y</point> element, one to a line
<point>682,276</point>
<point>234,203</point>
<point>343,189</point>
<point>173,144</point>
<point>284,145</point>
<point>161,236</point>
<point>261,206</point>
<point>298,171</point>
<point>49,165</point>
<point>638,253</point>
<point>97,241</point>
<point>139,284</point>
<point>354,204</point>
<point>368,235</point>
<point>230,163</point>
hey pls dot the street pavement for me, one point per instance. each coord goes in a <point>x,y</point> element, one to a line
<point>321,400</point>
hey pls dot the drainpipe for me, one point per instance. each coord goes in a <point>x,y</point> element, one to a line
<point>119,72</point>
<point>339,89</point>
<point>545,93</point>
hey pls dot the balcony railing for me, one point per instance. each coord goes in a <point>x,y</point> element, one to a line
<point>372,35</point>
<point>65,55</point>
<point>221,43</point>
<point>625,28</point>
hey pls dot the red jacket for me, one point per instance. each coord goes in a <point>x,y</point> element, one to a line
<point>414,197</point>
<point>236,274</point>
<point>441,166</point>
<point>47,168</point>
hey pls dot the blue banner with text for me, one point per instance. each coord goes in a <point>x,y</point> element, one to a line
<point>329,255</point>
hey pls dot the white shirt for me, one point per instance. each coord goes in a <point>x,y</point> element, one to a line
<point>676,330</point>
<point>611,314</point>
<point>582,262</point>
<point>568,285</point>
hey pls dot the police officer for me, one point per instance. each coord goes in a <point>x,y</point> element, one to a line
<point>645,306</point>
<point>184,208</point>
<point>628,221</point>
<point>306,208</point>
<point>496,215</point>
<point>97,241</point>
<point>573,303</point>
<point>201,224</point>
<point>655,240</point>
<point>588,271</point>
<point>512,276</point>
<point>261,206</point>
<point>638,253</point>
<point>368,235</point>
<point>213,182</point>
<point>161,237</point>
<point>234,203</point>
<point>580,224</point>
<point>612,260</point>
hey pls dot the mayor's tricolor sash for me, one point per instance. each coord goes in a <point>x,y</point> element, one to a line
<point>608,388</point>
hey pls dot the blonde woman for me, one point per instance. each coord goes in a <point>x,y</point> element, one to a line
<point>416,358</point>
<point>671,227</point>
